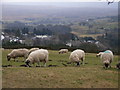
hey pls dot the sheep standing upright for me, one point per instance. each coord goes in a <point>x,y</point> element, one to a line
<point>63,51</point>
<point>18,53</point>
<point>37,56</point>
<point>106,57</point>
<point>77,56</point>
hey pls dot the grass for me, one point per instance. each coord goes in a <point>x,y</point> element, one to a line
<point>91,75</point>
<point>97,28</point>
<point>87,35</point>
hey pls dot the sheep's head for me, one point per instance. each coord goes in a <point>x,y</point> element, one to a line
<point>78,63</point>
<point>8,57</point>
<point>99,54</point>
<point>27,62</point>
<point>118,65</point>
<point>106,63</point>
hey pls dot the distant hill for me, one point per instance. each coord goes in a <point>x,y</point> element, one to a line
<point>64,12</point>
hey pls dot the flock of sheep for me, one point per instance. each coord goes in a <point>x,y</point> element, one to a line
<point>36,55</point>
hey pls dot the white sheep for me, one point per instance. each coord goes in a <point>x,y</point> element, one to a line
<point>37,56</point>
<point>63,51</point>
<point>33,49</point>
<point>17,53</point>
<point>106,58</point>
<point>77,56</point>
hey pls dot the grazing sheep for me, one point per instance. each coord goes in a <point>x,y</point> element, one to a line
<point>33,49</point>
<point>18,53</point>
<point>63,51</point>
<point>77,56</point>
<point>118,65</point>
<point>37,56</point>
<point>106,57</point>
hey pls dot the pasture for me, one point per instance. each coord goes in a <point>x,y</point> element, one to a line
<point>60,74</point>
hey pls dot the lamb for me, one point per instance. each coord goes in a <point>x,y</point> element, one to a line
<point>37,56</point>
<point>63,51</point>
<point>33,49</point>
<point>106,57</point>
<point>77,56</point>
<point>18,53</point>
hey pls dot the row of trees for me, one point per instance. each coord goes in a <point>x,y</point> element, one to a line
<point>17,29</point>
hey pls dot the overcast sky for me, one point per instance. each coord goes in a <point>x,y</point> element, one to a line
<point>58,0</point>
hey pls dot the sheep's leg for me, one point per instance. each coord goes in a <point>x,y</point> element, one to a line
<point>33,64</point>
<point>82,60</point>
<point>44,63</point>
<point>72,63</point>
<point>110,63</point>
<point>15,59</point>
<point>38,64</point>
<point>110,66</point>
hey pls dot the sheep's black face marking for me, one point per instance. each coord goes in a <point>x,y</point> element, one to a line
<point>118,65</point>
<point>96,55</point>
<point>8,58</point>
<point>27,63</point>
<point>78,63</point>
<point>106,65</point>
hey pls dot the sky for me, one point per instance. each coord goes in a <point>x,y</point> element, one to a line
<point>5,1</point>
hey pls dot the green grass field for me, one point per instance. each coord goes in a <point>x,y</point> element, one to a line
<point>91,75</point>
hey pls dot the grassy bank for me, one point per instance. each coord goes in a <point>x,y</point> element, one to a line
<point>91,75</point>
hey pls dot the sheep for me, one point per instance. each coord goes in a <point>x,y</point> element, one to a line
<point>33,49</point>
<point>77,56</point>
<point>106,57</point>
<point>37,56</point>
<point>99,54</point>
<point>17,53</point>
<point>118,65</point>
<point>63,51</point>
